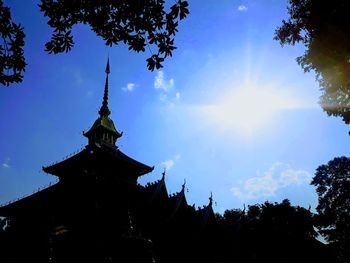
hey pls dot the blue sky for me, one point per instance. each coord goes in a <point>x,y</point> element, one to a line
<point>231,112</point>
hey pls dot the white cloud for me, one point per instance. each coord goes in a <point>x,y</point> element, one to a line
<point>290,177</point>
<point>129,87</point>
<point>279,175</point>
<point>167,90</point>
<point>163,84</point>
<point>242,8</point>
<point>6,162</point>
<point>168,164</point>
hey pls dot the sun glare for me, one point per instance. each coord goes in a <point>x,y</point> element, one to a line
<point>248,109</point>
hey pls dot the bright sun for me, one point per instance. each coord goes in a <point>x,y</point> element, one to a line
<point>248,109</point>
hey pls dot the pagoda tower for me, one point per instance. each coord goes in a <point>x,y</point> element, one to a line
<point>97,211</point>
<point>101,158</point>
<point>85,216</point>
<point>100,185</point>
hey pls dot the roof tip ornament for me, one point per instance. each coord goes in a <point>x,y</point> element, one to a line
<point>183,186</point>
<point>104,110</point>
<point>163,174</point>
<point>211,199</point>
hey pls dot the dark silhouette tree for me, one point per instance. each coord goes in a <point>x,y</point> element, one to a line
<point>248,236</point>
<point>332,183</point>
<point>12,61</point>
<point>139,24</point>
<point>283,219</point>
<point>323,28</point>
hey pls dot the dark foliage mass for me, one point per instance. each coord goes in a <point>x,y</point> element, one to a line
<point>332,183</point>
<point>136,23</point>
<point>12,61</point>
<point>139,24</point>
<point>270,232</point>
<point>323,27</point>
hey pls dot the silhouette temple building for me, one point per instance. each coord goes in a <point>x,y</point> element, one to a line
<point>97,211</point>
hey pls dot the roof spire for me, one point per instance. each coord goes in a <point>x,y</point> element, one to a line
<point>103,129</point>
<point>107,66</point>
<point>104,110</point>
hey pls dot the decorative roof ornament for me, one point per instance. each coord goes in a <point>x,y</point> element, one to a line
<point>184,185</point>
<point>211,199</point>
<point>163,174</point>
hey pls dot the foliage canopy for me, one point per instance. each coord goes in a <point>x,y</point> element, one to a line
<point>332,183</point>
<point>323,27</point>
<point>12,61</point>
<point>138,24</point>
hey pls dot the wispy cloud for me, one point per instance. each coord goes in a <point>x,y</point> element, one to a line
<point>279,175</point>
<point>6,163</point>
<point>167,89</point>
<point>129,87</point>
<point>168,164</point>
<point>160,82</point>
<point>242,8</point>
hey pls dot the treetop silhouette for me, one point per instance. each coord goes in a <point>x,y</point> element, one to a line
<point>138,24</point>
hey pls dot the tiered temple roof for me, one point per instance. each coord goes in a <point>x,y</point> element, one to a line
<point>177,202</point>
<point>104,159</point>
